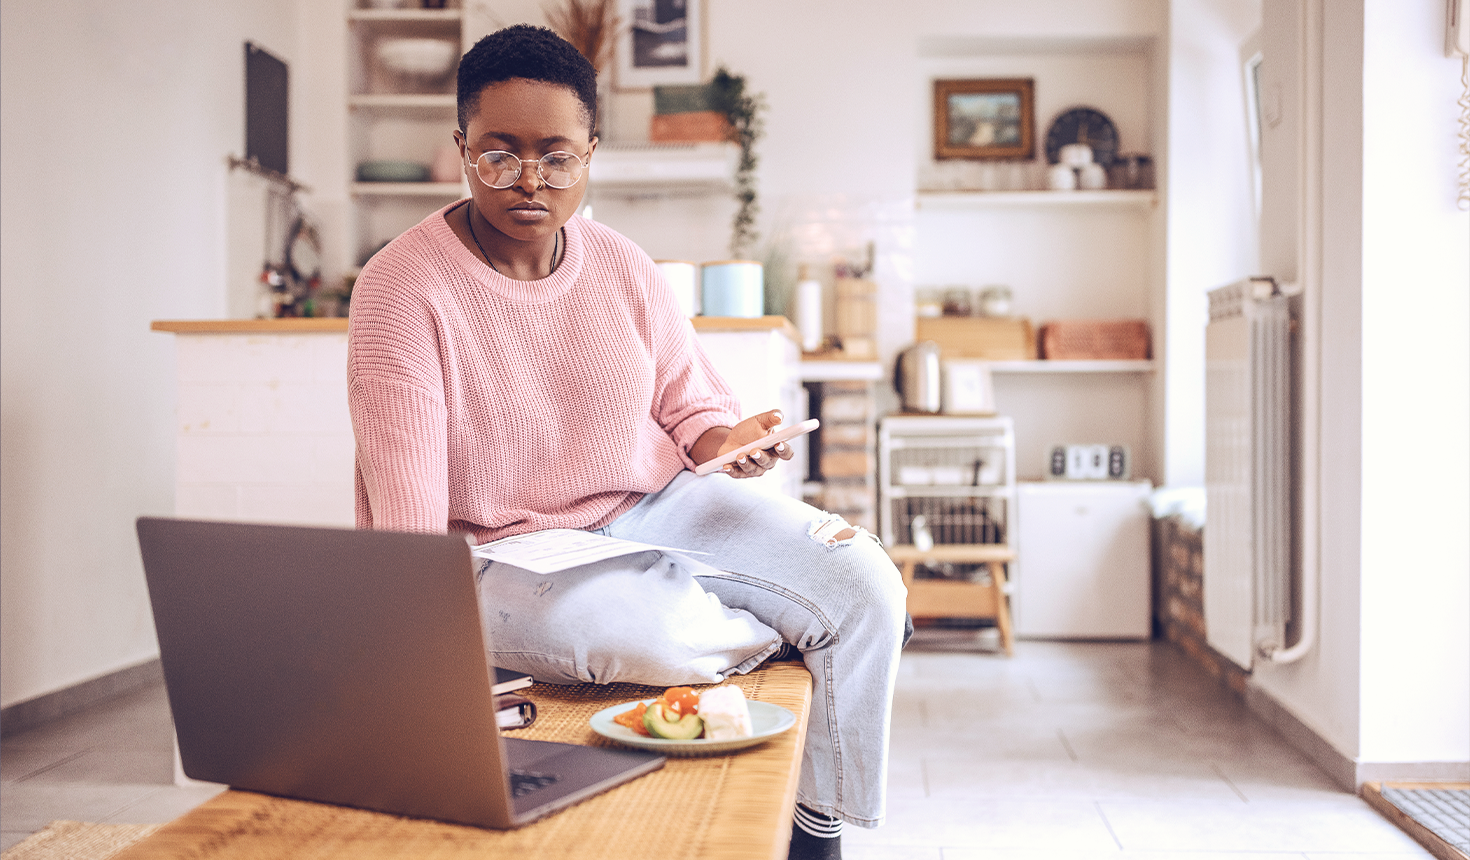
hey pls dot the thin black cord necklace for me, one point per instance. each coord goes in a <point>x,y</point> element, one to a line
<point>469,218</point>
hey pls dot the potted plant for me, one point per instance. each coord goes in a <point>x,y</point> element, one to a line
<point>728,95</point>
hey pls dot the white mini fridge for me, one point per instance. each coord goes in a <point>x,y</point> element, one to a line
<point>1082,560</point>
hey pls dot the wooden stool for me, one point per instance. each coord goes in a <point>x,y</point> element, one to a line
<point>948,598</point>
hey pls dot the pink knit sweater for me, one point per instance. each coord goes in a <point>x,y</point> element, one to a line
<point>494,406</point>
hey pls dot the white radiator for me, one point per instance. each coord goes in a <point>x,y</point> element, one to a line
<point>1247,538</point>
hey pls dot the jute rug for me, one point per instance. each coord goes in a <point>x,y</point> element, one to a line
<point>77,840</point>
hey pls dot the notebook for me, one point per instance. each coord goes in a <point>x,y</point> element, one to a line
<point>348,667</point>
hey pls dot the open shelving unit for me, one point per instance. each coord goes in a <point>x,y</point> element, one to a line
<point>947,513</point>
<point>392,118</point>
<point>1065,255</point>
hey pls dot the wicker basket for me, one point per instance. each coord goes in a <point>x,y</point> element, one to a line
<point>1095,339</point>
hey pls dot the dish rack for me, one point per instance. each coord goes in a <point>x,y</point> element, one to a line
<point>947,502</point>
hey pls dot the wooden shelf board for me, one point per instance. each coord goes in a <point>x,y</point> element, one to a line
<point>403,101</point>
<point>982,199</point>
<point>451,190</point>
<point>270,326</point>
<point>946,598</point>
<point>953,553</point>
<point>1053,366</point>
<point>397,16</point>
<point>765,323</point>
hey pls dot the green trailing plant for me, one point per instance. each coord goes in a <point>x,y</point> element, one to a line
<point>728,95</point>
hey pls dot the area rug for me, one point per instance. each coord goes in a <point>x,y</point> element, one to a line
<point>77,840</point>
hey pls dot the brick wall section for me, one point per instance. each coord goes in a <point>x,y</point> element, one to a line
<point>1179,606</point>
<point>846,460</point>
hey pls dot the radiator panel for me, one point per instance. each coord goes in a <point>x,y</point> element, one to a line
<point>1247,538</point>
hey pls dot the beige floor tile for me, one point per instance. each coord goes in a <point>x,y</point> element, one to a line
<point>1331,825</point>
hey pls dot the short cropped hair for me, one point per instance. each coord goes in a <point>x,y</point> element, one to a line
<point>524,51</point>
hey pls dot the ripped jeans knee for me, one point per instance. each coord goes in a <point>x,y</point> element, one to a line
<point>831,530</point>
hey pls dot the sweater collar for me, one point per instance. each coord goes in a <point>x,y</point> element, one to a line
<point>549,288</point>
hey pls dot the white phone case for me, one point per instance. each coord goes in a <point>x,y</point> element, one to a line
<point>790,431</point>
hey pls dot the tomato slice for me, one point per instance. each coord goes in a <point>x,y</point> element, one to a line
<point>682,700</point>
<point>633,719</point>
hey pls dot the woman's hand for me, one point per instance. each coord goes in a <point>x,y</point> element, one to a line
<point>747,431</point>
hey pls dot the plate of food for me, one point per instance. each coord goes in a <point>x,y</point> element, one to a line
<point>684,722</point>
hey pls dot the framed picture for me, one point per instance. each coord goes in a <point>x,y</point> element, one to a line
<point>660,42</point>
<point>985,118</point>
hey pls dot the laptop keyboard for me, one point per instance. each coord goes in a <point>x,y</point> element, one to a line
<point>523,782</point>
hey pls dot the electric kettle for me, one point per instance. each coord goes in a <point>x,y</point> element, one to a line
<point>916,377</point>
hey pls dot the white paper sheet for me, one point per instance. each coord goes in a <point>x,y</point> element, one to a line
<point>555,550</point>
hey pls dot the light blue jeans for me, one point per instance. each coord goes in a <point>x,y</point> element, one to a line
<point>773,573</point>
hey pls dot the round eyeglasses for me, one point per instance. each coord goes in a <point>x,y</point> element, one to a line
<point>499,169</point>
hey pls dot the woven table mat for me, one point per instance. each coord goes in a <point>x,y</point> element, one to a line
<point>730,806</point>
<point>77,840</point>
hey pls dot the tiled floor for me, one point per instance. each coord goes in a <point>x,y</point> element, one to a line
<point>1075,751</point>
<point>1084,751</point>
<point>113,763</point>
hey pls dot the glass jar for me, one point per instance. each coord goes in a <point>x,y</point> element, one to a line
<point>957,302</point>
<point>928,303</point>
<point>995,301</point>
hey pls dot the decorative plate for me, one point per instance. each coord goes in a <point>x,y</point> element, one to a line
<point>1083,125</point>
<point>766,720</point>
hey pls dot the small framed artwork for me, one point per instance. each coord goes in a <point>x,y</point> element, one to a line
<point>985,118</point>
<point>660,42</point>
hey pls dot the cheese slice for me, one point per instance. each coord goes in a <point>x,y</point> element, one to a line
<point>725,713</point>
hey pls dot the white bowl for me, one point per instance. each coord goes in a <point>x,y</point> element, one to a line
<point>418,56</point>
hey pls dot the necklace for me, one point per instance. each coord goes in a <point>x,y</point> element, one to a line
<point>469,218</point>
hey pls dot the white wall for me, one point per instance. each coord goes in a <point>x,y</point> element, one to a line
<point>859,90</point>
<point>116,122</point>
<point>1390,678</point>
<point>1211,223</point>
<point>1416,383</point>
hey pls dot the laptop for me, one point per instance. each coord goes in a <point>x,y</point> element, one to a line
<point>348,667</point>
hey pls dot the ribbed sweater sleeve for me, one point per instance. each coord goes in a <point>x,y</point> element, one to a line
<point>496,407</point>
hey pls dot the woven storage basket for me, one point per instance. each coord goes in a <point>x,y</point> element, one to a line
<point>1095,339</point>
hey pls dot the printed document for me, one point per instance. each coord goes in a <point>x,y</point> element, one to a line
<point>554,550</point>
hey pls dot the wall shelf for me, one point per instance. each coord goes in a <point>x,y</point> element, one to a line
<point>1053,366</point>
<point>632,168</point>
<point>395,17</point>
<point>409,189</point>
<point>402,101</point>
<point>1143,199</point>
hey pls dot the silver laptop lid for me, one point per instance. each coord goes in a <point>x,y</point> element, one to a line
<point>335,665</point>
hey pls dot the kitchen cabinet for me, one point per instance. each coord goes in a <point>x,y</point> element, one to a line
<point>263,433</point>
<point>1082,567</point>
<point>760,358</point>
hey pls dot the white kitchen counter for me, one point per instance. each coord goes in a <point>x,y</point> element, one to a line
<point>263,432</point>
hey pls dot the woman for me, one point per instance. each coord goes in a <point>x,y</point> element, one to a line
<point>514,367</point>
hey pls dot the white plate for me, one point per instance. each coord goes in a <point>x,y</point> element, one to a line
<point>766,720</point>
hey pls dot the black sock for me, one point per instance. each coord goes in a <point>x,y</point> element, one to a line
<point>823,844</point>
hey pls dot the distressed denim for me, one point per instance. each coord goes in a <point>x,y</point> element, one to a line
<point>774,572</point>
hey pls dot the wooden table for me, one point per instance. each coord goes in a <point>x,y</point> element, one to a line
<point>945,598</point>
<point>734,806</point>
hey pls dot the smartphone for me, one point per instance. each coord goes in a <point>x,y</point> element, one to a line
<point>790,431</point>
